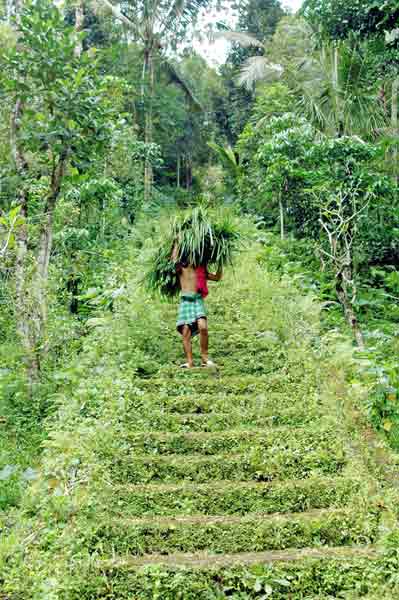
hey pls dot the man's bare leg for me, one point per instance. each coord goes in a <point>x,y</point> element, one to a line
<point>188,348</point>
<point>204,339</point>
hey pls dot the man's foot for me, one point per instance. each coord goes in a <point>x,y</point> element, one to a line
<point>187,366</point>
<point>208,364</point>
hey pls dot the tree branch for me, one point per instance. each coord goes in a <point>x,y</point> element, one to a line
<point>119,15</point>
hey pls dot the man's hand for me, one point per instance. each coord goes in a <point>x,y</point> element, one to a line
<point>215,276</point>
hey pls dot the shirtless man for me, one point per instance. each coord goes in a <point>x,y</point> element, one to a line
<point>192,318</point>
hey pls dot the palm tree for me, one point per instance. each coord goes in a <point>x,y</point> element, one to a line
<point>336,93</point>
<point>255,68</point>
<point>332,83</point>
<point>157,25</point>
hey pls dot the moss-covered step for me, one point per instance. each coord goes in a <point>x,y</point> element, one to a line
<point>203,560</point>
<point>231,497</point>
<point>253,465</point>
<point>271,403</point>
<point>158,420</point>
<point>232,534</point>
<point>204,381</point>
<point>294,574</point>
<point>303,439</point>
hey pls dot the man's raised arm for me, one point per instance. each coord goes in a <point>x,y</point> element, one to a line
<point>175,253</point>
<point>215,276</point>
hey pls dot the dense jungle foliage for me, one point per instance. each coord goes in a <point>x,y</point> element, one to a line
<point>112,122</point>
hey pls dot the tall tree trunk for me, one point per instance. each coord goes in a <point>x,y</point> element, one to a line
<point>395,127</point>
<point>25,324</point>
<point>45,244</point>
<point>339,119</point>
<point>13,9</point>
<point>148,172</point>
<point>189,172</point>
<point>343,280</point>
<point>79,22</point>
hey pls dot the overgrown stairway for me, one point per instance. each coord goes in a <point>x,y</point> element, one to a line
<point>212,480</point>
<point>240,482</point>
<point>240,479</point>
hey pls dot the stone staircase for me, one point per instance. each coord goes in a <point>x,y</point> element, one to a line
<point>240,482</point>
<point>212,484</point>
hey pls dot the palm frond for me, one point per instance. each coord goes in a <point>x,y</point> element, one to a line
<point>227,158</point>
<point>258,68</point>
<point>179,10</point>
<point>177,78</point>
<point>246,40</point>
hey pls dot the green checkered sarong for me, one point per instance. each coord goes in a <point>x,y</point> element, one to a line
<point>192,308</point>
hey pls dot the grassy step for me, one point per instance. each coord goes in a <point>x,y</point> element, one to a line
<point>322,439</point>
<point>251,533</point>
<point>255,361</point>
<point>205,561</point>
<point>212,422</point>
<point>295,574</point>
<point>203,381</point>
<point>266,465</point>
<point>271,404</point>
<point>232,497</point>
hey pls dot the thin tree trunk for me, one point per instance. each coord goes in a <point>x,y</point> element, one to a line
<point>178,172</point>
<point>282,224</point>
<point>9,11</point>
<point>395,127</point>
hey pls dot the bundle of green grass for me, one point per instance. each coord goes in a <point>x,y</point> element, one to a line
<point>197,238</point>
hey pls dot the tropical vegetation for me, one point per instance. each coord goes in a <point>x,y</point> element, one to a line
<point>274,476</point>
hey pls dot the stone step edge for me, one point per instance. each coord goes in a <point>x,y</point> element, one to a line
<point>180,417</point>
<point>237,413</point>
<point>230,519</point>
<point>225,484</point>
<point>213,561</point>
<point>255,431</point>
<point>210,395</point>
<point>216,377</point>
<point>176,460</point>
